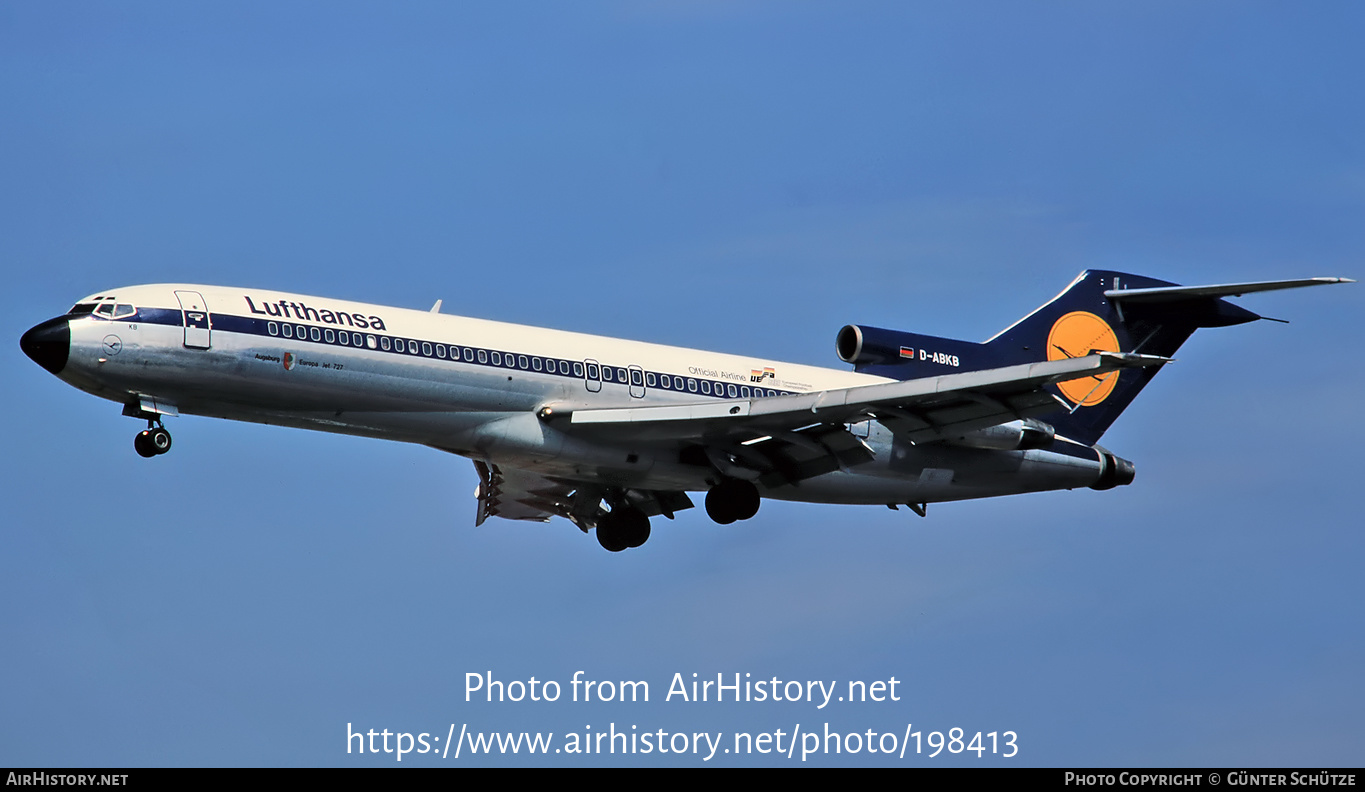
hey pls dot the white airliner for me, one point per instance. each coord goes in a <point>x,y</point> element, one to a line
<point>608,433</point>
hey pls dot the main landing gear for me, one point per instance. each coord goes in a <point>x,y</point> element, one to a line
<point>153,440</point>
<point>626,525</point>
<point>731,500</point>
<point>622,527</point>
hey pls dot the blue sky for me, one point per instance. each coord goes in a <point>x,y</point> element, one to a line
<point>745,177</point>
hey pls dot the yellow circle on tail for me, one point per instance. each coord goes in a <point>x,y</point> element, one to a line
<point>1078,334</point>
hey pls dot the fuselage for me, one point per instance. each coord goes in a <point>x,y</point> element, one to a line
<point>475,388</point>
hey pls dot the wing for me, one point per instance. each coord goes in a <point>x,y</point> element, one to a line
<point>784,439</point>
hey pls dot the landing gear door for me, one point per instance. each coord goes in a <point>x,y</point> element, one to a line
<point>195,313</point>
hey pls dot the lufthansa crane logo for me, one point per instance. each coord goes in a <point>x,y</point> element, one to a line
<point>1078,334</point>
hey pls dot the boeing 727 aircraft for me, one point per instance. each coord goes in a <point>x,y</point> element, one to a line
<point>608,433</point>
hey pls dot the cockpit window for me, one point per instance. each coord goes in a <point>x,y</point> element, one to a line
<point>105,307</point>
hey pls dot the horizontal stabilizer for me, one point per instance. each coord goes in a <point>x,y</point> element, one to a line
<point>1162,294</point>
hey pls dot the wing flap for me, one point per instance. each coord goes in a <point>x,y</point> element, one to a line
<point>518,495</point>
<point>514,494</point>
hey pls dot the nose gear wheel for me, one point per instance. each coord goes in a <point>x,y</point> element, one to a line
<point>152,441</point>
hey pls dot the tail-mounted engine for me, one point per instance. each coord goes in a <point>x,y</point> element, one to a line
<point>912,354</point>
<point>868,346</point>
<point>1114,471</point>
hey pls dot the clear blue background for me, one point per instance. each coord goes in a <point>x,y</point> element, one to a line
<point>744,177</point>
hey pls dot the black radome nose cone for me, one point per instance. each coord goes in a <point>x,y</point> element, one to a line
<point>48,344</point>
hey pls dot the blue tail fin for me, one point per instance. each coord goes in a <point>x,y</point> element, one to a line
<point>1079,320</point>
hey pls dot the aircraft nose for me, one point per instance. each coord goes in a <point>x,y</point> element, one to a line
<point>48,344</point>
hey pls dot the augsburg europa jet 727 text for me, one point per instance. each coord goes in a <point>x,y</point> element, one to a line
<point>608,433</point>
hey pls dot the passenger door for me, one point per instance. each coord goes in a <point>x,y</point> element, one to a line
<point>194,313</point>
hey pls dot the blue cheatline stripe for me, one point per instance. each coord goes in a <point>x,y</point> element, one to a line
<point>329,335</point>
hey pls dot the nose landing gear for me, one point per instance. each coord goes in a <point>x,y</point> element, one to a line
<point>153,440</point>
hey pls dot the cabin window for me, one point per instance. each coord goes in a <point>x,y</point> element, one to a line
<point>272,328</point>
<point>483,357</point>
<point>665,382</point>
<point>649,379</point>
<point>441,351</point>
<point>743,390</point>
<point>578,369</point>
<point>384,342</point>
<point>637,377</point>
<point>412,346</point>
<point>331,336</point>
<point>564,367</point>
<point>288,331</point>
<point>316,334</point>
<point>371,341</point>
<point>606,373</point>
<point>621,374</point>
<point>706,387</point>
<point>469,355</point>
<point>535,364</point>
<point>730,389</point>
<point>496,357</point>
<point>691,385</point>
<point>301,332</point>
<point>344,337</point>
<point>593,372</point>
